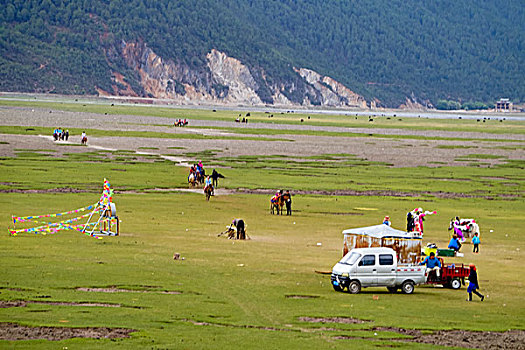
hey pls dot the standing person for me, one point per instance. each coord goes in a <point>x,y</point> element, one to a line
<point>419,216</point>
<point>239,225</point>
<point>473,283</point>
<point>66,134</point>
<point>410,221</point>
<point>288,201</point>
<point>386,220</point>
<point>215,177</point>
<point>475,242</point>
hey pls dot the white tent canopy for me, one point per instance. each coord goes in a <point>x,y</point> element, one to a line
<point>379,231</point>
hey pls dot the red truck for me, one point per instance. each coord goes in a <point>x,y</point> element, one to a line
<point>451,276</point>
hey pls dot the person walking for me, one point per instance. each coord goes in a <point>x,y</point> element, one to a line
<point>473,283</point>
<point>475,242</point>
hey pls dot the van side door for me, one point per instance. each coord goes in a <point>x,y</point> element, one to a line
<point>366,271</point>
<point>386,270</point>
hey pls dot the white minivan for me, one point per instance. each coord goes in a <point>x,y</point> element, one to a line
<point>375,267</point>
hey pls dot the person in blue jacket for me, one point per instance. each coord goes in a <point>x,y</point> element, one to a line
<point>454,243</point>
<point>475,242</point>
<point>432,263</point>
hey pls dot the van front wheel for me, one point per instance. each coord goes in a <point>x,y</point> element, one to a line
<point>354,287</point>
<point>407,287</point>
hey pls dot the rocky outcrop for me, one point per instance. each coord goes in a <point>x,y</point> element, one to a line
<point>226,80</point>
<point>333,93</point>
<point>238,79</point>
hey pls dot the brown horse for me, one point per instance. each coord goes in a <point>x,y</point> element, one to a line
<point>208,191</point>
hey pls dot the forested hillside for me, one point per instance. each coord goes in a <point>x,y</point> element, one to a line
<point>384,50</point>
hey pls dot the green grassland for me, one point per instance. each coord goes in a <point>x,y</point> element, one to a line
<point>243,294</point>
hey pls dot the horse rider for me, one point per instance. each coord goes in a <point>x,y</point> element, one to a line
<point>275,199</point>
<point>208,183</point>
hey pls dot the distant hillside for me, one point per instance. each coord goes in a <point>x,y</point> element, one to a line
<point>331,53</point>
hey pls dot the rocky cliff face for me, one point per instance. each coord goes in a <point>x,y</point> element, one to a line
<point>333,93</point>
<point>225,80</point>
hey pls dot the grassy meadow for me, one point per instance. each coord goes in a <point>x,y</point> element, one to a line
<point>254,293</point>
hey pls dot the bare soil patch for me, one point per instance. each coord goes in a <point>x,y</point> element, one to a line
<point>23,303</point>
<point>512,339</point>
<point>13,331</point>
<point>343,320</point>
<point>49,190</point>
<point>114,289</point>
<point>222,192</point>
<point>299,296</point>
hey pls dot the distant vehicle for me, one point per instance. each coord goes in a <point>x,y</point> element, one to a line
<point>375,267</point>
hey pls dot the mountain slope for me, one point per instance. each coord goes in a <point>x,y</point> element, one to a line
<point>384,51</point>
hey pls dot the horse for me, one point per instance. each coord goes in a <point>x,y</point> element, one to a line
<point>276,205</point>
<point>208,190</point>
<point>200,176</point>
<point>464,228</point>
<point>192,180</point>
<point>84,140</point>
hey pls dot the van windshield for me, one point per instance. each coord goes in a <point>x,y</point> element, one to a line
<point>350,258</point>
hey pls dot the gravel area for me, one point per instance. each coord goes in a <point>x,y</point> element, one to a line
<point>398,152</point>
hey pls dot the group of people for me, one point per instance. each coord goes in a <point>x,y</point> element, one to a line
<point>60,134</point>
<point>197,170</point>
<point>199,174</point>
<point>433,264</point>
<point>415,219</point>
<point>243,120</point>
<point>283,197</point>
<point>455,243</point>
<point>181,122</point>
<point>464,228</point>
